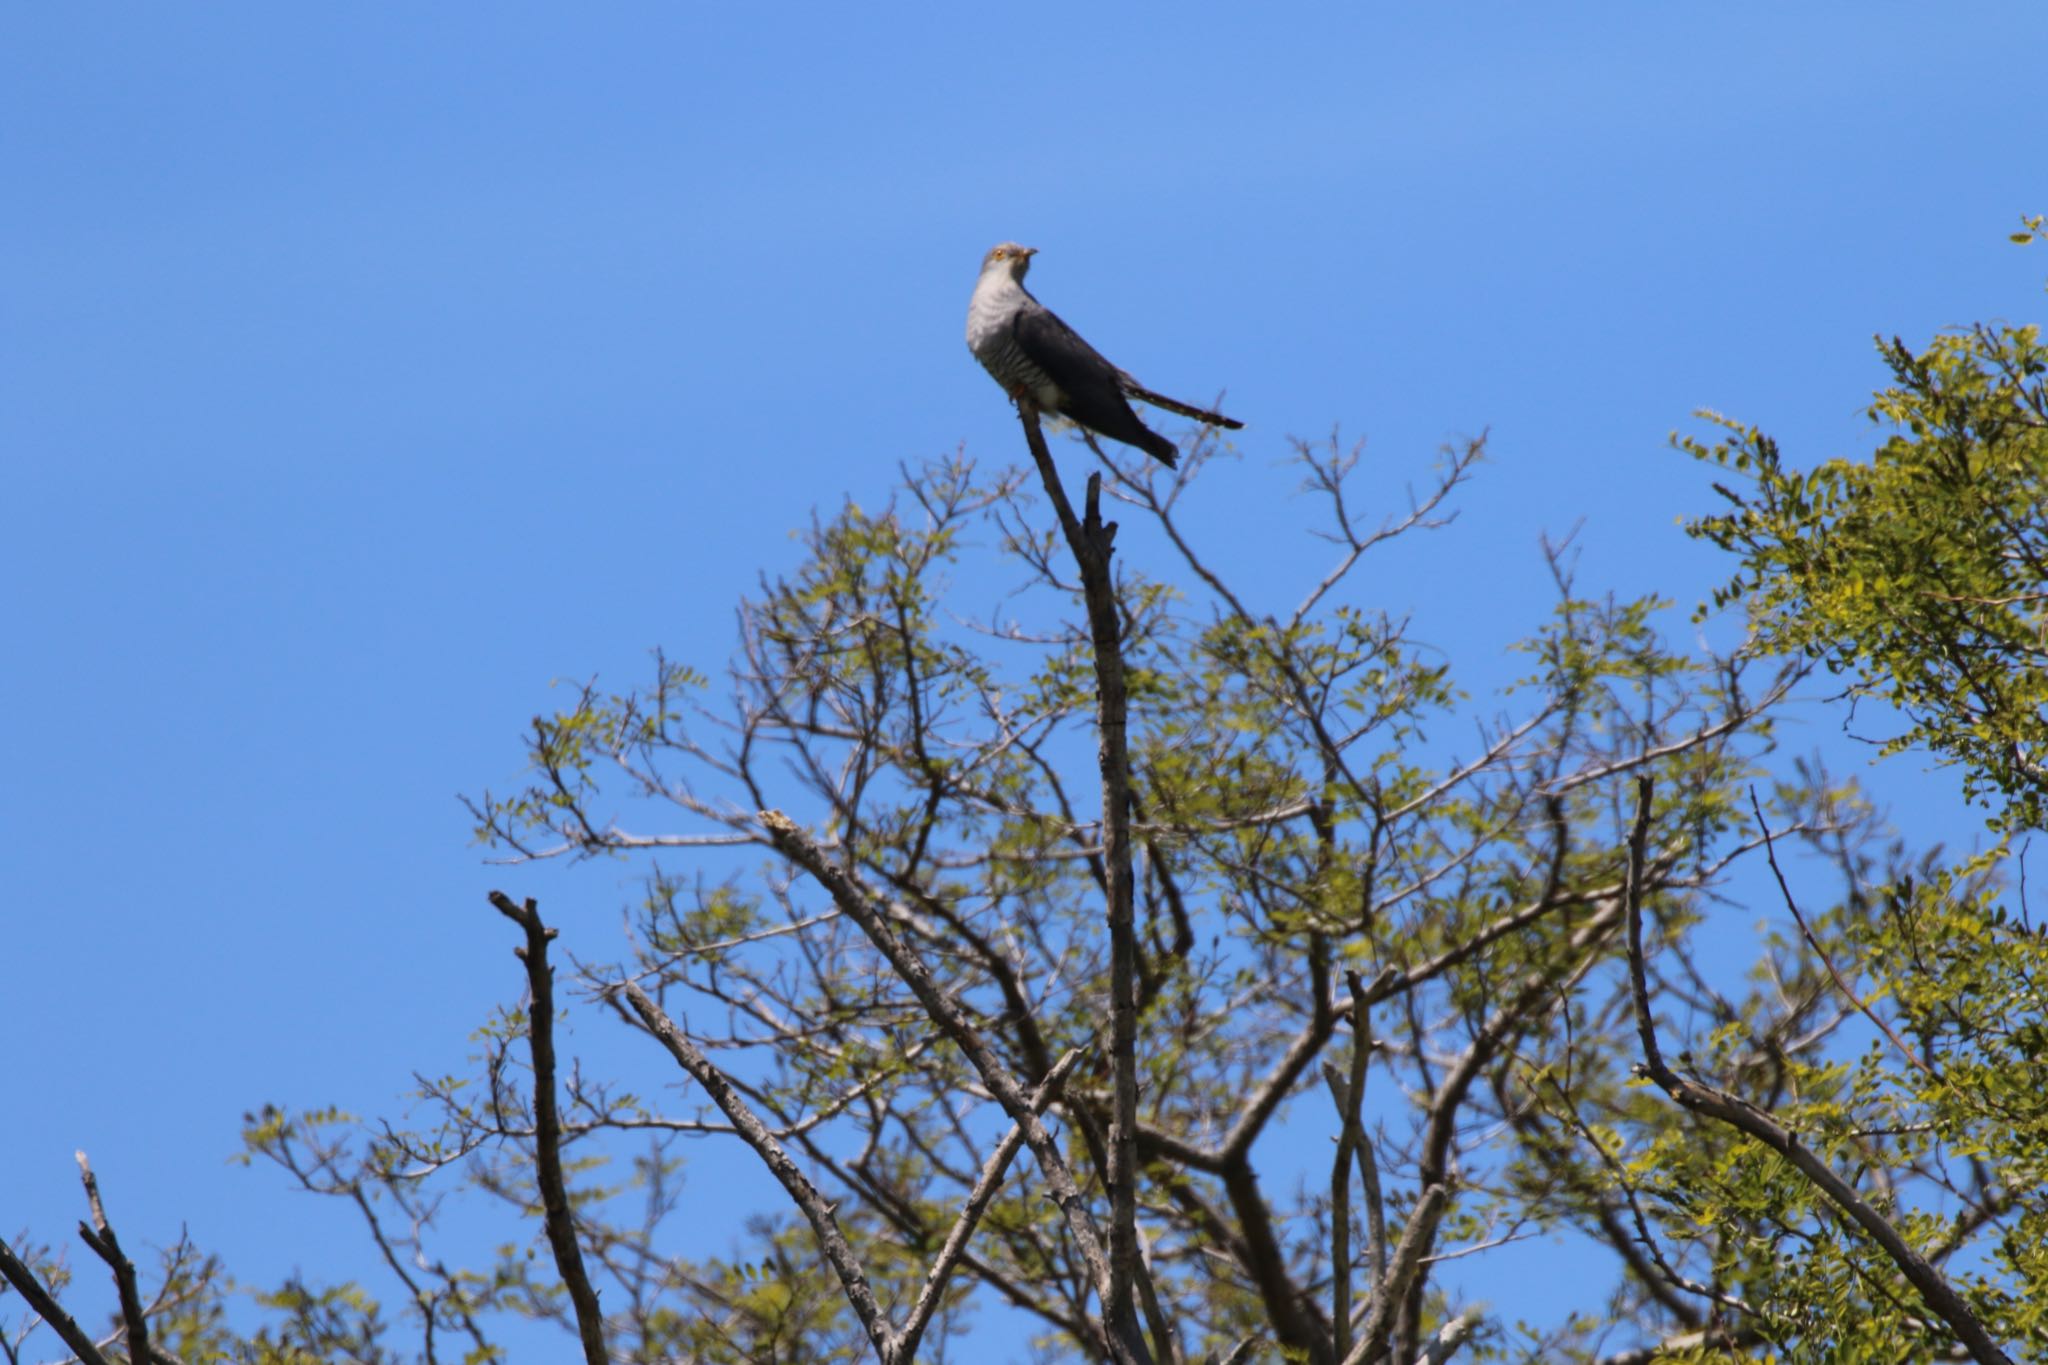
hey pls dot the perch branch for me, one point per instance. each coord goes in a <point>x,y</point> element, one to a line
<point>1092,543</point>
<point>559,1217</point>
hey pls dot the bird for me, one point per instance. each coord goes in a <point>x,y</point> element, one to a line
<point>1034,355</point>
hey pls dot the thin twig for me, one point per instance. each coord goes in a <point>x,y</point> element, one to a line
<point>977,1204</point>
<point>1771,854</point>
<point>1652,1250</point>
<point>816,1209</point>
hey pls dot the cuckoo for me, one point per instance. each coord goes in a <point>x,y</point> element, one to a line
<point>1033,354</point>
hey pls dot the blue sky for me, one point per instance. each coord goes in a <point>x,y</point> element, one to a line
<point>366,370</point>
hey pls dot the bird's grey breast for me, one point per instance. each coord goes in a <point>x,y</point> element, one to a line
<point>992,335</point>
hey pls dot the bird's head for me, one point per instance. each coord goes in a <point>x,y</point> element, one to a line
<point>1010,258</point>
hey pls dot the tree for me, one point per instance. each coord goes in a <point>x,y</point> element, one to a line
<point>1920,573</point>
<point>1023,947</point>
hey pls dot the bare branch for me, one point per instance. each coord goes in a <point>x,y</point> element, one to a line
<point>1239,1353</point>
<point>1450,1337</point>
<point>1092,544</point>
<point>817,1210</point>
<point>1713,1338</point>
<point>100,1237</point>
<point>1328,478</point>
<point>1349,1094</point>
<point>1392,1290</point>
<point>45,1305</point>
<point>559,1217</point>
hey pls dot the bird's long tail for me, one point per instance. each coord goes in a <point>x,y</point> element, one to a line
<point>1160,400</point>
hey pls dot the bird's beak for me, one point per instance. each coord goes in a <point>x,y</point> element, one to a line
<point>1027,252</point>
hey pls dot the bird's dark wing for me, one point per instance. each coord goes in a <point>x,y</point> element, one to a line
<point>1091,389</point>
<point>1079,370</point>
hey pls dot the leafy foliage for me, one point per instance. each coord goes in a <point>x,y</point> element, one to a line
<point>1922,573</point>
